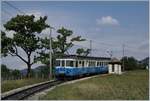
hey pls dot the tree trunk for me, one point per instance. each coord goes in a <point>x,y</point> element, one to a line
<point>28,70</point>
<point>29,67</point>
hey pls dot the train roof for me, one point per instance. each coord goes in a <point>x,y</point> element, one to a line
<point>84,57</point>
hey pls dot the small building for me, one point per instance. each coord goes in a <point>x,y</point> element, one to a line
<point>114,66</point>
<point>147,67</point>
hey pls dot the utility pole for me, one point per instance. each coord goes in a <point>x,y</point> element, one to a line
<point>123,46</point>
<point>90,47</point>
<point>50,54</point>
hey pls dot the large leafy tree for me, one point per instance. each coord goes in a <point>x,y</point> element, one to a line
<point>25,29</point>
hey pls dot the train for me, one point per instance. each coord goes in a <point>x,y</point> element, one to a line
<point>75,65</point>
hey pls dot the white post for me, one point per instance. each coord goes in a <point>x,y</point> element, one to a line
<point>110,68</point>
<point>120,69</point>
<point>116,67</point>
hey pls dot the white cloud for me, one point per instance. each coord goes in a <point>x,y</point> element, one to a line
<point>107,20</point>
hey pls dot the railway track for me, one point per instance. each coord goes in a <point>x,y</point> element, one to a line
<point>23,94</point>
<point>20,95</point>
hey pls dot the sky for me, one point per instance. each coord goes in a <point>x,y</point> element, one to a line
<point>108,24</point>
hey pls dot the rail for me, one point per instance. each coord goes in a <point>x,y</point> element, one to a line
<point>20,95</point>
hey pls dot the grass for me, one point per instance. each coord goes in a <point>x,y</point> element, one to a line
<point>132,85</point>
<point>13,84</point>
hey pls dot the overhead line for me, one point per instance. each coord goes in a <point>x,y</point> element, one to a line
<point>13,7</point>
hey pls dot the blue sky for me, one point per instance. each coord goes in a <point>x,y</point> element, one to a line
<point>108,24</point>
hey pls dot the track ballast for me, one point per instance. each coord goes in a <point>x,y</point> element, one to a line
<point>29,91</point>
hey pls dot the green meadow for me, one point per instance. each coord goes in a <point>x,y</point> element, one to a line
<point>132,85</point>
<point>13,84</point>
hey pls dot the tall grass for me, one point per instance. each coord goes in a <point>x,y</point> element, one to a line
<point>13,84</point>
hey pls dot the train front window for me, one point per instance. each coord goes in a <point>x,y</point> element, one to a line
<point>69,63</point>
<point>57,62</point>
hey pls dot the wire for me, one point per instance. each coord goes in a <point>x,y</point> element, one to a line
<point>13,7</point>
<point>103,43</point>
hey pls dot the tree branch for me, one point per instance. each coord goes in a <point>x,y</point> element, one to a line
<point>15,48</point>
<point>32,63</point>
<point>18,54</point>
<point>12,54</point>
<point>21,58</point>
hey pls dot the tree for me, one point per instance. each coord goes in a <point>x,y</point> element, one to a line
<point>130,63</point>
<point>5,72</point>
<point>44,71</point>
<point>82,52</point>
<point>25,28</point>
<point>62,42</point>
<point>144,63</point>
<point>16,73</point>
<point>60,46</point>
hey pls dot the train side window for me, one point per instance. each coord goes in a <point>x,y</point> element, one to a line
<point>76,63</point>
<point>79,62</point>
<point>63,63</point>
<point>92,63</point>
<point>112,68</point>
<point>97,64</point>
<point>89,63</point>
<point>102,63</point>
<point>82,63</point>
<point>105,63</point>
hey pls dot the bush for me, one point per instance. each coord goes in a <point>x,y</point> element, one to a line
<point>130,63</point>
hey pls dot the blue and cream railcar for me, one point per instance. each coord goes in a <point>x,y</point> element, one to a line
<point>73,65</point>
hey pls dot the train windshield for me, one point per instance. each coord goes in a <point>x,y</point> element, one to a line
<point>69,63</point>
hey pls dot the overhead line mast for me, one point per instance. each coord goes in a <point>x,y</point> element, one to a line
<point>90,47</point>
<point>123,46</point>
<point>50,55</point>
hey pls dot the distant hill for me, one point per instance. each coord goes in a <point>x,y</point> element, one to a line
<point>24,71</point>
<point>145,61</point>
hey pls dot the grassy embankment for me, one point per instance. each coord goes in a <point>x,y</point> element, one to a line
<point>13,84</point>
<point>130,85</point>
